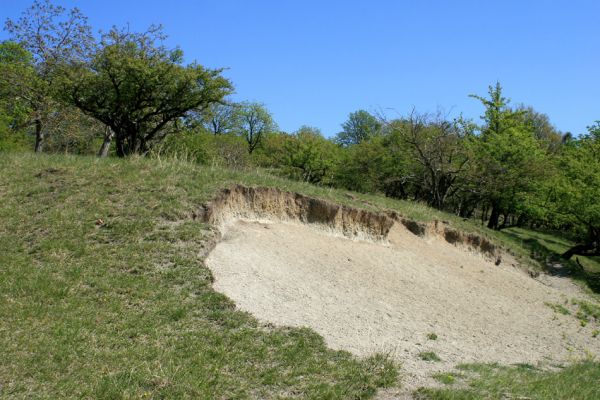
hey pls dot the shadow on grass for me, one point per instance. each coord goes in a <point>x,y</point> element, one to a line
<point>553,263</point>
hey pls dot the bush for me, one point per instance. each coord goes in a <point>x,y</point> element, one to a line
<point>206,148</point>
<point>13,141</point>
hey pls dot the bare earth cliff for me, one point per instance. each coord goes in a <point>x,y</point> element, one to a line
<point>378,282</point>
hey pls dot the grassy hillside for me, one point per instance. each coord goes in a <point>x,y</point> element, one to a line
<point>523,381</point>
<point>102,294</point>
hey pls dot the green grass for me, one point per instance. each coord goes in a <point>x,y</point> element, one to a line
<point>447,378</point>
<point>491,381</point>
<point>546,246</point>
<point>588,310</point>
<point>429,356</point>
<point>125,308</point>
<point>103,293</point>
<point>559,308</point>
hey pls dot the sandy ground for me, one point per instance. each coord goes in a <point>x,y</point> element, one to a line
<point>368,297</point>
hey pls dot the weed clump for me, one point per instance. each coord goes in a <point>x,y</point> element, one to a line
<point>429,356</point>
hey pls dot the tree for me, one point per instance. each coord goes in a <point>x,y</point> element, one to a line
<point>140,89</point>
<point>359,127</point>
<point>253,122</point>
<point>309,156</point>
<point>220,119</point>
<point>15,69</point>
<point>361,166</point>
<point>508,159</point>
<point>17,75</point>
<point>436,147</point>
<point>547,135</point>
<point>575,191</point>
<point>54,37</point>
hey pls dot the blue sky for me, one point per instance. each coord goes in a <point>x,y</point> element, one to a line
<point>313,62</point>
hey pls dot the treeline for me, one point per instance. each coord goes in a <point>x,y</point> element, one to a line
<point>63,90</point>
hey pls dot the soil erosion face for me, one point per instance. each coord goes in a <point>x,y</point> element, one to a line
<point>366,296</point>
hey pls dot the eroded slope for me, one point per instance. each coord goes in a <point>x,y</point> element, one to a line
<point>388,292</point>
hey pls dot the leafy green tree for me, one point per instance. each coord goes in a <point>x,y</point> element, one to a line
<point>399,171</point>
<point>575,191</point>
<point>547,135</point>
<point>508,158</point>
<point>218,118</point>
<point>221,118</point>
<point>16,77</point>
<point>272,153</point>
<point>140,88</point>
<point>359,127</point>
<point>436,148</point>
<point>54,37</point>
<point>310,157</point>
<point>361,166</point>
<point>254,122</point>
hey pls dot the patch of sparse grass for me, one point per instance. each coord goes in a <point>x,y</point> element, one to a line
<point>524,381</point>
<point>102,293</point>
<point>429,356</point>
<point>558,308</point>
<point>447,378</point>
<point>432,336</point>
<point>547,246</point>
<point>589,310</point>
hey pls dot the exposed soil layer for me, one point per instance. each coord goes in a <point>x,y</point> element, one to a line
<point>241,202</point>
<point>371,282</point>
<point>274,204</point>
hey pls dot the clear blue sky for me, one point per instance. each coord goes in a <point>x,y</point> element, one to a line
<point>313,62</point>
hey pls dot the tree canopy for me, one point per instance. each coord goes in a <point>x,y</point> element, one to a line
<point>138,88</point>
<point>575,191</point>
<point>253,123</point>
<point>53,37</point>
<point>127,91</point>
<point>360,126</point>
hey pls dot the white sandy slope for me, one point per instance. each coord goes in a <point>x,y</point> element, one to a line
<point>367,297</point>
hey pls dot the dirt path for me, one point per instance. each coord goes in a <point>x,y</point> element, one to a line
<point>368,297</point>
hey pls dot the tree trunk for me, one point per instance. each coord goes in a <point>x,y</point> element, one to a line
<point>494,217</point>
<point>505,221</point>
<point>586,249</point>
<point>120,147</point>
<point>39,136</point>
<point>484,214</point>
<point>108,135</point>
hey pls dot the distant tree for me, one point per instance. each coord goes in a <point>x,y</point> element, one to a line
<point>360,126</point>
<point>361,166</point>
<point>436,146</point>
<point>548,136</point>
<point>310,157</point>
<point>566,138</point>
<point>218,118</point>
<point>253,123</point>
<point>139,88</point>
<point>221,119</point>
<point>54,37</point>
